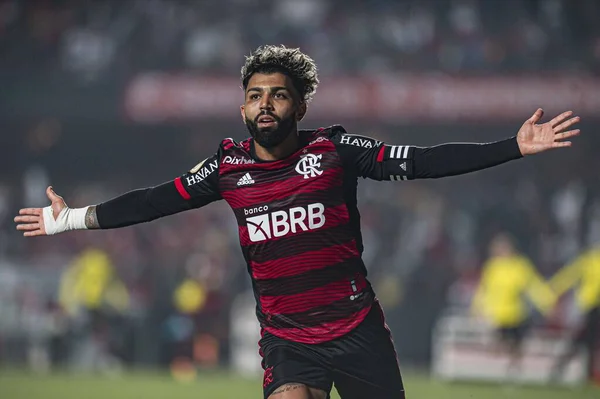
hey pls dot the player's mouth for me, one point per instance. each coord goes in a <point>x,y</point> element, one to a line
<point>266,121</point>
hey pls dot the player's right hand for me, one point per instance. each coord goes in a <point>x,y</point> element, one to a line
<point>31,220</point>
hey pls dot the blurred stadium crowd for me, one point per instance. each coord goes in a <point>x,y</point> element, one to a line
<point>97,38</point>
<point>150,293</point>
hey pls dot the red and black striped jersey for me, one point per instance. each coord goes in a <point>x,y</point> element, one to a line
<point>298,222</point>
<point>299,226</point>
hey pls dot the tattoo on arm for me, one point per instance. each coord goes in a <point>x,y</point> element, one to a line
<point>287,388</point>
<point>91,220</point>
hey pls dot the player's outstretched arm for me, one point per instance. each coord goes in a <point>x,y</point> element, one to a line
<point>196,188</point>
<point>459,158</point>
<point>137,206</point>
<point>373,159</point>
<point>55,218</point>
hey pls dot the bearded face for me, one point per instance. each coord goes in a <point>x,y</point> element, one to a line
<point>268,130</point>
<point>271,108</point>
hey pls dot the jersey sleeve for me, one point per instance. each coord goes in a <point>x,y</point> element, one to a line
<point>193,189</point>
<point>376,160</point>
<point>200,185</point>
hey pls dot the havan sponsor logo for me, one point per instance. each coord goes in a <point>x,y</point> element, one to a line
<point>360,141</point>
<point>202,173</point>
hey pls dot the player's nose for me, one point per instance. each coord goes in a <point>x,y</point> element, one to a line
<point>265,103</point>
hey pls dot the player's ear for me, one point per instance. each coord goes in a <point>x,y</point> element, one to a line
<point>242,108</point>
<point>301,111</point>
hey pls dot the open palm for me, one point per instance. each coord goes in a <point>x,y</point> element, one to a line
<point>534,138</point>
<point>31,220</point>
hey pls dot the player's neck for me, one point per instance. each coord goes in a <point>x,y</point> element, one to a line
<point>283,150</point>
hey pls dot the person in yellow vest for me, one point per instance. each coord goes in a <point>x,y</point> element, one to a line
<point>508,278</point>
<point>189,297</point>
<point>582,274</point>
<point>91,287</point>
<point>89,283</point>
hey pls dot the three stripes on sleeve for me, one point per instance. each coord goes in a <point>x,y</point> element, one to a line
<point>400,152</point>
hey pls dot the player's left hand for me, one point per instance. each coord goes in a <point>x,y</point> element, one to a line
<point>534,138</point>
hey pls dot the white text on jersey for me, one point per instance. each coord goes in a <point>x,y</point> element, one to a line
<point>202,173</point>
<point>280,223</point>
<point>359,141</point>
<point>238,160</point>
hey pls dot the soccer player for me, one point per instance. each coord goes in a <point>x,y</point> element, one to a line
<point>293,193</point>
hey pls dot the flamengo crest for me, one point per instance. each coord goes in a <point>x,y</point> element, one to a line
<point>309,164</point>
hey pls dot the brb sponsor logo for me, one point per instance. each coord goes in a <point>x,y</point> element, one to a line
<point>280,223</point>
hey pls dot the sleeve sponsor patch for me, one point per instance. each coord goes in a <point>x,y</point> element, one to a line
<point>359,141</point>
<point>202,173</point>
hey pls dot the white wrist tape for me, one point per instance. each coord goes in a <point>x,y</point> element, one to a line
<point>68,219</point>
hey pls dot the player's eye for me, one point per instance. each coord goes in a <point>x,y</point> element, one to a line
<point>254,96</point>
<point>280,95</point>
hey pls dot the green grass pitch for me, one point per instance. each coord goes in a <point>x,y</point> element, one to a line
<point>19,385</point>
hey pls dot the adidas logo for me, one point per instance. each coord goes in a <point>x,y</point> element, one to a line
<point>245,180</point>
<point>403,166</point>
